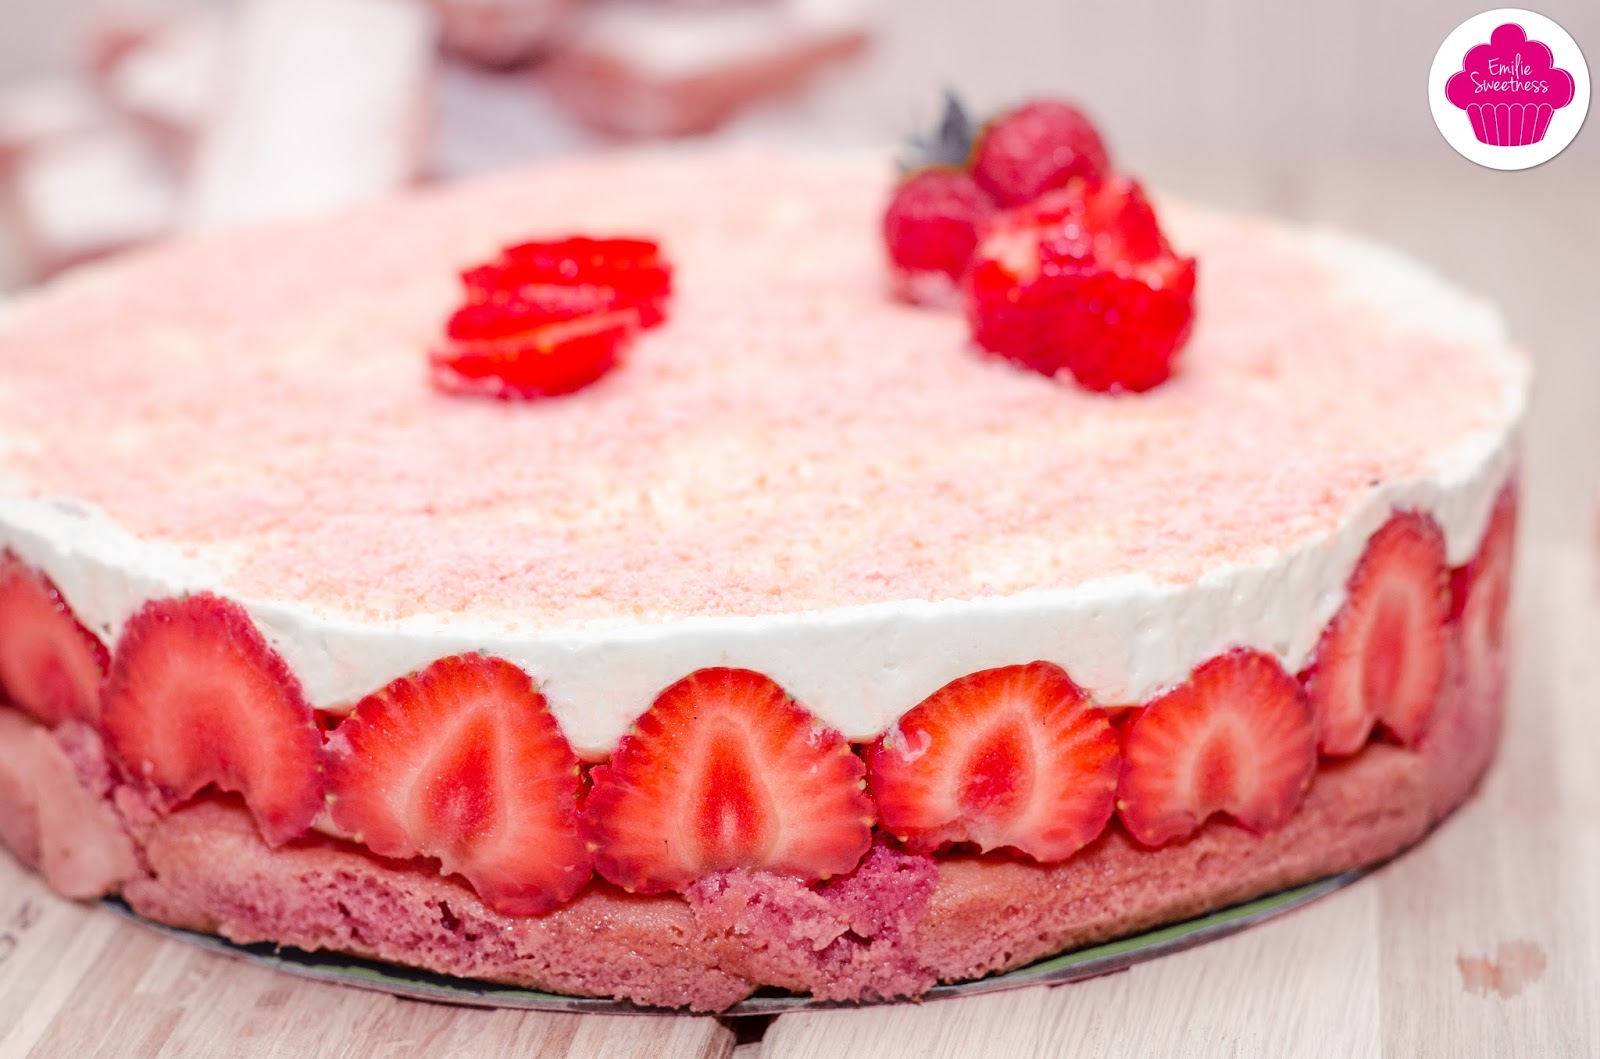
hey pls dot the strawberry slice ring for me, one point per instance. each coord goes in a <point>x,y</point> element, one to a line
<point>1381,660</point>
<point>50,665</point>
<point>196,697</point>
<point>724,771</point>
<point>1235,738</point>
<point>1010,758</point>
<point>463,762</point>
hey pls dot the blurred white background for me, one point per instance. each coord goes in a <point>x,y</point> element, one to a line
<point>1189,93</point>
<point>1252,76</point>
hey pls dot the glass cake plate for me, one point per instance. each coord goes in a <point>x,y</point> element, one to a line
<point>1071,966</point>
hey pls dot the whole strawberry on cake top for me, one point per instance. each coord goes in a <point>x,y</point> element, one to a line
<point>666,575</point>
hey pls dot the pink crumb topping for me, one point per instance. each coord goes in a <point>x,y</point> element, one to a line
<point>791,439</point>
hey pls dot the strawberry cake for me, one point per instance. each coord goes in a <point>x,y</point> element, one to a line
<point>769,630</point>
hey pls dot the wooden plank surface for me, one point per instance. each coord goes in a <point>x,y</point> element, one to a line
<point>1483,941</point>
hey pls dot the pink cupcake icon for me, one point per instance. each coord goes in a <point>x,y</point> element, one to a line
<point>1510,88</point>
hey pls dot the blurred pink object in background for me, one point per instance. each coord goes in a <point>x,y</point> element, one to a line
<point>640,68</point>
<point>499,33</point>
<point>485,119</point>
<point>167,81</point>
<point>109,30</point>
<point>38,111</point>
<point>197,114</point>
<point>73,183</point>
<point>79,196</point>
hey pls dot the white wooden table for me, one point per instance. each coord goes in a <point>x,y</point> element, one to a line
<point>1484,940</point>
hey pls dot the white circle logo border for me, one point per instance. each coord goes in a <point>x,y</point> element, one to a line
<point>1456,127</point>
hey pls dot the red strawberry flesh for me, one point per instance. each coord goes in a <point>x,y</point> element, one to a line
<point>1083,281</point>
<point>1480,591</point>
<point>464,762</point>
<point>196,698</point>
<point>1480,597</point>
<point>546,361</point>
<point>607,273</point>
<point>1014,758</point>
<point>1235,738</point>
<point>726,771</point>
<point>50,665</point>
<point>1382,657</point>
<point>525,309</point>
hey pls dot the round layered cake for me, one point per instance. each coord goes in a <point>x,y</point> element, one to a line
<point>810,647</point>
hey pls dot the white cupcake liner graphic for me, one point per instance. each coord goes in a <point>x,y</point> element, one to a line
<point>1510,124</point>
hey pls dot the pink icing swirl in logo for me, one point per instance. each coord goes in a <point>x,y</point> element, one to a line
<point>1510,88</point>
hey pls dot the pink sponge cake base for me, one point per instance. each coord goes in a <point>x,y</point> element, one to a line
<point>894,927</point>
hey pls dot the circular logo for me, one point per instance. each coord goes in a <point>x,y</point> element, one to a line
<point>1509,89</point>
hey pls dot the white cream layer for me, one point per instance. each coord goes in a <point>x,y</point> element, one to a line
<point>860,667</point>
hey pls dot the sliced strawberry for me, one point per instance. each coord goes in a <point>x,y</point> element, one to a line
<point>1235,738</point>
<point>1083,281</point>
<point>600,275</point>
<point>1382,657</point>
<point>1480,591</point>
<point>548,318</point>
<point>1036,147</point>
<point>726,771</point>
<point>1013,758</point>
<point>547,361</point>
<point>196,698</point>
<point>527,309</point>
<point>463,761</point>
<point>50,665</point>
